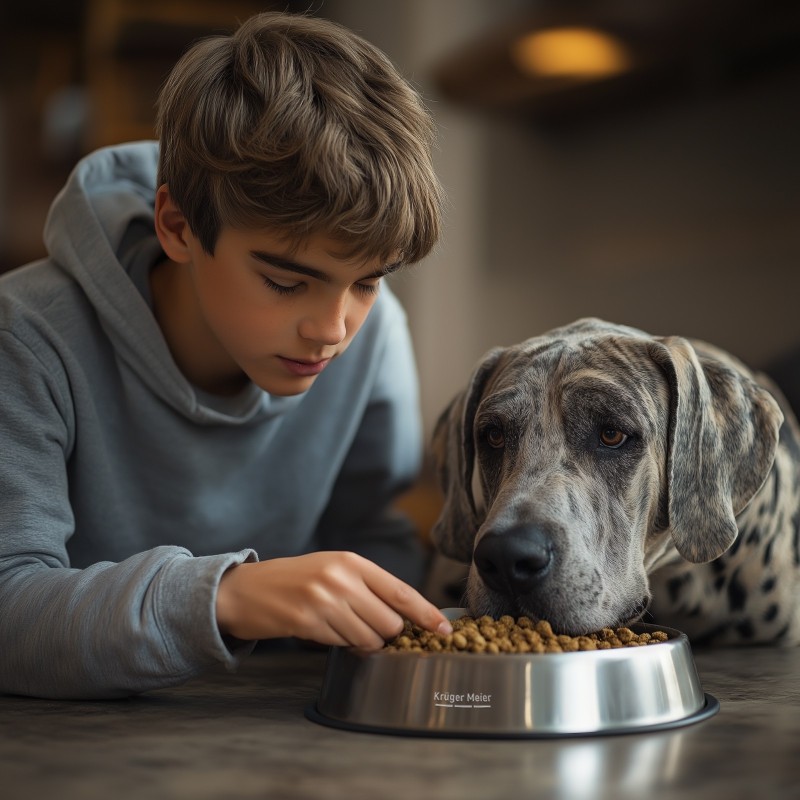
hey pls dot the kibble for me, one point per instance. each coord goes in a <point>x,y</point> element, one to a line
<point>508,635</point>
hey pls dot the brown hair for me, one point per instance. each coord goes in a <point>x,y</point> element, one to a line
<point>296,124</point>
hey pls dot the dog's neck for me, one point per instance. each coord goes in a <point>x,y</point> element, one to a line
<point>661,553</point>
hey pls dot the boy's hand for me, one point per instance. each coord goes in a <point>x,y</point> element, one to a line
<point>334,598</point>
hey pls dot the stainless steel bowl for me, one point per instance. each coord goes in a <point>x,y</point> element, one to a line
<point>621,690</point>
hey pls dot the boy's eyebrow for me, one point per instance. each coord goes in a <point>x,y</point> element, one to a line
<point>292,266</point>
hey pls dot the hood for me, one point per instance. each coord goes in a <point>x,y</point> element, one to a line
<point>101,223</point>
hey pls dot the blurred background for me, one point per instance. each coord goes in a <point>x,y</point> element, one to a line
<point>636,161</point>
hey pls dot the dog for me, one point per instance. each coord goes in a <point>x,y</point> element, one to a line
<point>597,475</point>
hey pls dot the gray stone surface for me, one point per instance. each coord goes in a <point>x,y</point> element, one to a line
<point>245,736</point>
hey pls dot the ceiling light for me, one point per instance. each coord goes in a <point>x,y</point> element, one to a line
<point>570,53</point>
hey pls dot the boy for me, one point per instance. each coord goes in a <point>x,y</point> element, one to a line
<point>207,365</point>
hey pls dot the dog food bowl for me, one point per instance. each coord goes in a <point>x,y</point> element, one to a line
<point>524,695</point>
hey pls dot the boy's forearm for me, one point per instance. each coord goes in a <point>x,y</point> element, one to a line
<point>113,629</point>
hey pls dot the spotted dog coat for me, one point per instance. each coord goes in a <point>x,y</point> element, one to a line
<point>597,474</point>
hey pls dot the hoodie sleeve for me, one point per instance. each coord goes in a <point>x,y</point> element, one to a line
<point>112,629</point>
<point>384,460</point>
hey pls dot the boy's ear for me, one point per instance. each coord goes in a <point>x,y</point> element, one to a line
<point>171,226</point>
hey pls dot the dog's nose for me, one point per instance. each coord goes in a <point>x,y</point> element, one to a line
<point>513,560</point>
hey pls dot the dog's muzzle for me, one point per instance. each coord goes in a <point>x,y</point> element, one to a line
<point>514,561</point>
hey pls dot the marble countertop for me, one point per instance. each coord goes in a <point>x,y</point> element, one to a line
<point>244,735</point>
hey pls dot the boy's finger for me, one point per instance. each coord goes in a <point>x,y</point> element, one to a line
<point>405,600</point>
<point>357,633</point>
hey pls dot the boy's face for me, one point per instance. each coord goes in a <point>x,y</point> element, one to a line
<point>264,309</point>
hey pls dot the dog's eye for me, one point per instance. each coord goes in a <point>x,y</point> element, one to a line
<point>611,437</point>
<point>494,436</point>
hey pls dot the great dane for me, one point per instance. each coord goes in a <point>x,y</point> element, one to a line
<point>597,475</point>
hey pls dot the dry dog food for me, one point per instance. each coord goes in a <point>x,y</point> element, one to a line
<point>509,635</point>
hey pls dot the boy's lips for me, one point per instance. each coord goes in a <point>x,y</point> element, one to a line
<point>304,367</point>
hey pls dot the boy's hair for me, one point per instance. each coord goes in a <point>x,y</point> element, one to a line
<point>296,124</point>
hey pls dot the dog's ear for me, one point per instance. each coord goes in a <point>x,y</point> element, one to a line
<point>453,447</point>
<point>723,433</point>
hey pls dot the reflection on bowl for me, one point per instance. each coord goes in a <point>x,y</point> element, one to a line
<point>516,695</point>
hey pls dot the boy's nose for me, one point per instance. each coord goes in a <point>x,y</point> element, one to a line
<point>326,324</point>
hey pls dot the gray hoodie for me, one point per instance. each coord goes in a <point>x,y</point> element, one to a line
<point>125,492</point>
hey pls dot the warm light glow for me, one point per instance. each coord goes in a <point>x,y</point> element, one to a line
<point>570,53</point>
